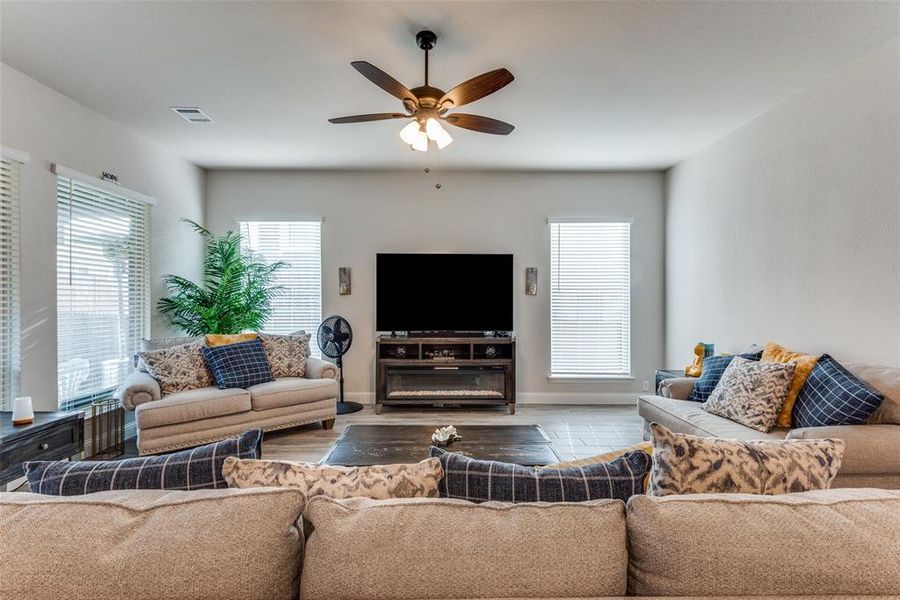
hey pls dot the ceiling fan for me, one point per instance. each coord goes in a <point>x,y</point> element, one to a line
<point>429,106</point>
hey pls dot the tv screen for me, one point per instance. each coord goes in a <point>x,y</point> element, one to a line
<point>444,292</point>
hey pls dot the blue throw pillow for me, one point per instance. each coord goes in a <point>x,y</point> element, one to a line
<point>483,480</point>
<point>713,368</point>
<point>832,395</point>
<point>195,469</point>
<point>238,365</point>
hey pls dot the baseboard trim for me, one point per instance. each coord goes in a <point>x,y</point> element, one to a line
<point>580,398</point>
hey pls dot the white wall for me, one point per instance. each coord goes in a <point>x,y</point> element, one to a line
<point>368,212</point>
<point>789,228</point>
<point>53,128</point>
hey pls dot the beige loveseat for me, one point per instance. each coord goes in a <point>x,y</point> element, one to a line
<point>204,415</point>
<point>872,454</point>
<point>248,544</point>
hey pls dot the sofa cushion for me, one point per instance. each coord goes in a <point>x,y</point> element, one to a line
<point>415,480</point>
<point>192,405</point>
<point>804,363</point>
<point>887,381</point>
<point>289,391</point>
<point>751,393</point>
<point>286,353</point>
<point>713,368</point>
<point>177,368</point>
<point>868,450</point>
<point>152,545</point>
<point>239,365</point>
<point>812,543</point>
<point>475,480</point>
<point>195,469</point>
<point>685,416</point>
<point>688,464</point>
<point>439,548</point>
<point>834,396</point>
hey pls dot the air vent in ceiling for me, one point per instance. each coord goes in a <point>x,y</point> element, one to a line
<point>192,114</point>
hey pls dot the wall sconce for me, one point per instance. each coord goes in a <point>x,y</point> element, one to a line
<point>344,281</point>
<point>531,281</point>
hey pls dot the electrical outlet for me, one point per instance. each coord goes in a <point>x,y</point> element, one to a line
<point>645,386</point>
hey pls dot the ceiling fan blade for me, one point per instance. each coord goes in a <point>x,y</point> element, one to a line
<point>480,124</point>
<point>364,118</point>
<point>477,87</point>
<point>384,81</point>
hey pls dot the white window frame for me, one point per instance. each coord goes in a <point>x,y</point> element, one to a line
<point>570,311</point>
<point>285,325</point>
<point>10,308</point>
<point>96,196</point>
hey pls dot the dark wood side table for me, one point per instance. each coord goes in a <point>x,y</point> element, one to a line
<point>52,436</point>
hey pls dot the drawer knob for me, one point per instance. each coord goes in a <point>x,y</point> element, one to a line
<point>44,446</point>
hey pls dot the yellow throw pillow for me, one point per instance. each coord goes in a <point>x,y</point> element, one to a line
<point>773,353</point>
<point>216,339</point>
<point>606,457</point>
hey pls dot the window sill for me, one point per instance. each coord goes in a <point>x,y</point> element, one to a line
<point>587,378</point>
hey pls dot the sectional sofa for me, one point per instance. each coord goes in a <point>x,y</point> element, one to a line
<point>248,544</point>
<point>872,453</point>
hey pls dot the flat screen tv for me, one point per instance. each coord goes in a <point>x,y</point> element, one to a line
<point>444,292</point>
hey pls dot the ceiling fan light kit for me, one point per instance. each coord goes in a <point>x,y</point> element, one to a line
<point>428,106</point>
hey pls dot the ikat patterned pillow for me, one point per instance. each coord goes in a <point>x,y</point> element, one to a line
<point>690,464</point>
<point>751,393</point>
<point>382,482</point>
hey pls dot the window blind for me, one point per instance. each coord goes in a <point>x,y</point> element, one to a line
<point>9,281</point>
<point>590,299</point>
<point>103,251</point>
<point>299,244</point>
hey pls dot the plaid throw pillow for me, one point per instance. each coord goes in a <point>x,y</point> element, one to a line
<point>195,469</point>
<point>832,395</point>
<point>484,480</point>
<point>238,365</point>
<point>713,368</point>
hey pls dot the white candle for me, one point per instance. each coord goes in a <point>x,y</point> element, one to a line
<point>23,413</point>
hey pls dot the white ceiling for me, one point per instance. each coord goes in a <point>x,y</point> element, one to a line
<point>599,85</point>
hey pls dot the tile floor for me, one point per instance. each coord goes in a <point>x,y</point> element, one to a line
<point>576,431</point>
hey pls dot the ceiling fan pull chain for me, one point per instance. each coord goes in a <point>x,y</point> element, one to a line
<point>439,172</point>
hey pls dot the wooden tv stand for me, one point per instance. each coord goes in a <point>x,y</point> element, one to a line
<point>439,371</point>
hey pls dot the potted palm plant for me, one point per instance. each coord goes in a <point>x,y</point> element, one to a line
<point>234,295</point>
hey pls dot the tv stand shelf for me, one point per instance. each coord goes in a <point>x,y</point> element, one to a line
<point>438,371</point>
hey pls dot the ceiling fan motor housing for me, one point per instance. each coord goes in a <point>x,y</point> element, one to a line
<point>426,40</point>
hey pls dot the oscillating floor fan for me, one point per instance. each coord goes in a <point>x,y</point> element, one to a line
<point>334,338</point>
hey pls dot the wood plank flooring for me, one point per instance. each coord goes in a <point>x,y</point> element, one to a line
<point>576,431</point>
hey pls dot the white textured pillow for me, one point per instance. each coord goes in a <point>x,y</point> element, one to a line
<point>415,480</point>
<point>751,393</point>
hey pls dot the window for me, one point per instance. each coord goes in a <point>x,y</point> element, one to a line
<point>299,244</point>
<point>590,299</point>
<point>9,280</point>
<point>102,250</point>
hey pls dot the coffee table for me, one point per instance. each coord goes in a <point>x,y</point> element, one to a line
<point>363,445</point>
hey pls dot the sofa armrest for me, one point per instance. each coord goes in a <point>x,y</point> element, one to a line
<point>320,369</point>
<point>138,388</point>
<point>869,449</point>
<point>677,388</point>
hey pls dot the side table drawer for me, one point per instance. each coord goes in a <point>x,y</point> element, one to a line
<point>52,444</point>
